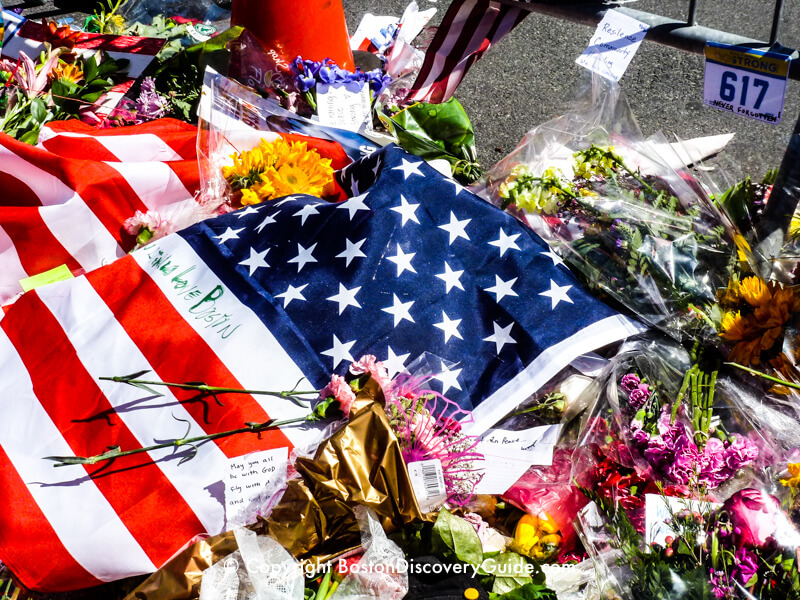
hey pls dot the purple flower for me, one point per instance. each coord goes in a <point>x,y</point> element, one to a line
<point>720,584</point>
<point>712,464</point>
<point>740,452</point>
<point>745,567</point>
<point>630,382</point>
<point>305,83</point>
<point>150,104</point>
<point>638,396</point>
<point>684,464</point>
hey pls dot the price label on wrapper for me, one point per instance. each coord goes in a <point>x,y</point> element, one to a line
<point>427,479</point>
<point>746,82</point>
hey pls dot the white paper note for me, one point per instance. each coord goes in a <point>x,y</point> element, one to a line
<point>534,445</point>
<point>340,106</point>
<point>251,480</point>
<point>615,41</point>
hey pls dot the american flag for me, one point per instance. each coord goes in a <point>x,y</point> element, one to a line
<point>468,30</point>
<point>64,202</point>
<point>257,299</point>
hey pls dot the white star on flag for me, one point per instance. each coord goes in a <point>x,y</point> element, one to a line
<point>456,228</point>
<point>408,168</point>
<point>293,293</point>
<point>505,242</point>
<point>346,298</point>
<point>228,234</point>
<point>303,256</point>
<point>449,327</point>
<point>285,200</point>
<point>395,363</point>
<point>502,288</point>
<point>305,212</point>
<point>340,351</point>
<point>557,293</point>
<point>449,379</point>
<point>557,260</point>
<point>451,278</point>
<point>250,210</point>
<point>407,211</point>
<point>399,310</point>
<point>355,204</point>
<point>501,336</point>
<point>457,186</point>
<point>352,251</point>
<point>402,260</point>
<point>256,260</point>
<point>268,220</point>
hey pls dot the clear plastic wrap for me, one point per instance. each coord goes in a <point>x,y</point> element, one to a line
<point>691,477</point>
<point>614,207</point>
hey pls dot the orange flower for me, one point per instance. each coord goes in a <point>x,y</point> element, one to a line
<point>67,72</point>
<point>755,291</point>
<point>60,37</point>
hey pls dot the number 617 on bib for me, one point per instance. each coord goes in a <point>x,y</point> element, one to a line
<point>746,82</point>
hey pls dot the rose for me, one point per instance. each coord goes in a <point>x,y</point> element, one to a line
<point>754,515</point>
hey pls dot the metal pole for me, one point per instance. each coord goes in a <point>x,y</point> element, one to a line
<point>777,16</point>
<point>670,32</point>
<point>692,18</point>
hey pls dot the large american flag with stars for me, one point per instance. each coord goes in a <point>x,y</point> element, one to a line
<point>258,299</point>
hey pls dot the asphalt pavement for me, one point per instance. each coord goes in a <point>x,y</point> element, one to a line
<point>531,76</point>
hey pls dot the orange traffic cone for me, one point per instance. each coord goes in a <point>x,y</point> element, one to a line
<point>313,29</point>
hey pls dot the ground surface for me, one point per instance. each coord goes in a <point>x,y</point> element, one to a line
<point>530,77</point>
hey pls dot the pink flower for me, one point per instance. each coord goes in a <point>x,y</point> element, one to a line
<point>377,371</point>
<point>754,515</point>
<point>151,220</point>
<point>338,388</point>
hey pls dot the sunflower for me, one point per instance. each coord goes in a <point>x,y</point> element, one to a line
<point>276,169</point>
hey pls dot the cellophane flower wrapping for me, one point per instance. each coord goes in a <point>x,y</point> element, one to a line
<point>702,504</point>
<point>608,201</point>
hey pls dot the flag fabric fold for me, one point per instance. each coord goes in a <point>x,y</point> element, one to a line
<point>260,298</point>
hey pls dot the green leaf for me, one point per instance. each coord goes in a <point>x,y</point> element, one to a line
<point>458,536</point>
<point>90,68</point>
<point>529,591</point>
<point>39,110</point>
<point>31,137</point>
<point>510,571</point>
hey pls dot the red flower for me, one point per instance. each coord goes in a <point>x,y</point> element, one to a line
<point>60,37</point>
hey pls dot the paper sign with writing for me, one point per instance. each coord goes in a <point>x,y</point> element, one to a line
<point>613,45</point>
<point>745,82</point>
<point>500,474</point>
<point>251,481</point>
<point>534,445</point>
<point>343,105</point>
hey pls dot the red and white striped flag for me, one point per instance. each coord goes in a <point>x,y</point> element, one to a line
<point>65,202</point>
<point>468,30</point>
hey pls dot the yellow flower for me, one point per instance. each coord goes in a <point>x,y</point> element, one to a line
<point>537,536</point>
<point>755,291</point>
<point>734,326</point>
<point>67,73</point>
<point>794,480</point>
<point>279,168</point>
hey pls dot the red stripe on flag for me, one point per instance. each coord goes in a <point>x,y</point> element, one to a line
<point>134,486</point>
<point>97,41</point>
<point>28,544</point>
<point>180,136</point>
<point>37,247</point>
<point>178,354</point>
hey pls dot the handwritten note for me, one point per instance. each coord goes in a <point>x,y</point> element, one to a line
<point>613,45</point>
<point>511,453</point>
<point>342,105</point>
<point>250,483</point>
<point>60,273</point>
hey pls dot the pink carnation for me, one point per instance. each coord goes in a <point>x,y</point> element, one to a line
<point>377,371</point>
<point>151,220</point>
<point>341,390</point>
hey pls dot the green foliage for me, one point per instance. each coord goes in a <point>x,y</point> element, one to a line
<point>454,537</point>
<point>529,591</point>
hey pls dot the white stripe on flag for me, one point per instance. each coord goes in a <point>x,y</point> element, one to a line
<point>546,366</point>
<point>104,348</point>
<point>27,434</point>
<point>155,183</point>
<point>266,365</point>
<point>140,147</point>
<point>64,212</point>
<point>10,267</point>
<point>80,232</point>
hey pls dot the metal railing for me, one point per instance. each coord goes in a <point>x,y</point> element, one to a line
<point>683,34</point>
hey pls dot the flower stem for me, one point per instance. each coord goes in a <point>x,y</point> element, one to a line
<point>115,452</point>
<point>764,375</point>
